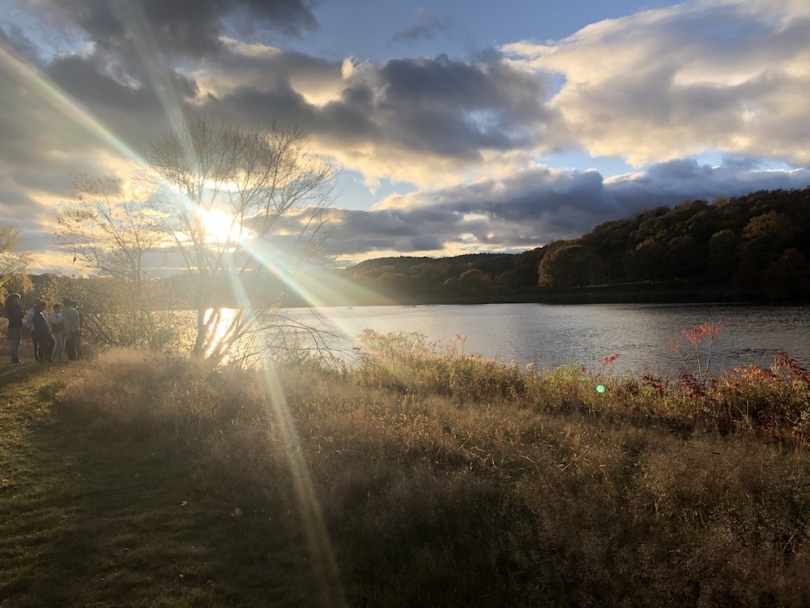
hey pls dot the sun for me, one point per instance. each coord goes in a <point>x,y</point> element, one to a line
<point>219,226</point>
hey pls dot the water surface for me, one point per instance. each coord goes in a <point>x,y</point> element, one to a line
<point>558,335</point>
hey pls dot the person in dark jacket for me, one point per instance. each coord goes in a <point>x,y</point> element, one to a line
<point>16,317</point>
<point>41,334</point>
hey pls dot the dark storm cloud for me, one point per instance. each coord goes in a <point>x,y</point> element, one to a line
<point>191,27</point>
<point>17,207</point>
<point>675,181</point>
<point>411,110</point>
<point>540,206</point>
<point>273,65</point>
<point>432,107</point>
<point>47,141</point>
<point>493,104</point>
<point>247,106</point>
<point>84,79</point>
<point>134,112</point>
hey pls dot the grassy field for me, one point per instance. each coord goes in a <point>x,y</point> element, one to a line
<point>417,479</point>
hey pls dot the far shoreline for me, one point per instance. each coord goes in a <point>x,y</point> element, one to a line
<point>608,294</point>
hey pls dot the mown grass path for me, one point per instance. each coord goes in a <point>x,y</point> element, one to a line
<point>89,520</point>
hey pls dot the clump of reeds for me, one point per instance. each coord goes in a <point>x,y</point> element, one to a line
<point>773,402</point>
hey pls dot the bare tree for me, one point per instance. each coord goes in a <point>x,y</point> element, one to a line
<point>112,231</point>
<point>12,263</point>
<point>109,230</point>
<point>239,204</point>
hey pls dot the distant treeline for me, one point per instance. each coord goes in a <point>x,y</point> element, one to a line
<point>751,247</point>
<point>754,247</point>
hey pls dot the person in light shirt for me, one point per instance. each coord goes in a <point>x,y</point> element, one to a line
<point>73,331</point>
<point>58,329</point>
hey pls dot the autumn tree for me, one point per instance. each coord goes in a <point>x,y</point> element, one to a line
<point>239,204</point>
<point>722,255</point>
<point>645,262</point>
<point>765,237</point>
<point>13,263</point>
<point>475,282</point>
<point>762,241</point>
<point>395,283</point>
<point>569,266</point>
<point>787,276</point>
<point>682,258</point>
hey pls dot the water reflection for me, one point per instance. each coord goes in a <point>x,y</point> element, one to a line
<point>553,336</point>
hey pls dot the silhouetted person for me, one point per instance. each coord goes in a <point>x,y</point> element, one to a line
<point>41,334</point>
<point>16,317</point>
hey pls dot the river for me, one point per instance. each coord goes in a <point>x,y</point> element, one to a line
<point>551,336</point>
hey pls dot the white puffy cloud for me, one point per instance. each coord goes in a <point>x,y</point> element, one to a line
<point>725,75</point>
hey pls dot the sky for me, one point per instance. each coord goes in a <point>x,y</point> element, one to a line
<point>457,127</point>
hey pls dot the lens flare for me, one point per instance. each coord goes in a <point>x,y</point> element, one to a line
<point>38,84</point>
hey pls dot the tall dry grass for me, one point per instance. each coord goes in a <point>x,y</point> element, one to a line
<point>447,480</point>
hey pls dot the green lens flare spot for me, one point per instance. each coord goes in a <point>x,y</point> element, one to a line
<point>600,388</point>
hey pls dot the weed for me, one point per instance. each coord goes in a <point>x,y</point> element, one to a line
<point>694,349</point>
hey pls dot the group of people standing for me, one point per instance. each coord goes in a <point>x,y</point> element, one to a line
<point>52,334</point>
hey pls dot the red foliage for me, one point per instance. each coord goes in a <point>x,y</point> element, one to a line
<point>610,359</point>
<point>702,331</point>
<point>794,368</point>
<point>694,386</point>
<point>655,382</point>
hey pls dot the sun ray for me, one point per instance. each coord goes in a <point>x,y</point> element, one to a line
<point>34,81</point>
<point>324,563</point>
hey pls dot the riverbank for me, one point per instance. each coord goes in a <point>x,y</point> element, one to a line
<point>139,480</point>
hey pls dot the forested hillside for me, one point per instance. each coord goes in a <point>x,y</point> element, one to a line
<point>756,244</point>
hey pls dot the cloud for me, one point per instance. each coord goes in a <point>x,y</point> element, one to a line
<point>417,120</point>
<point>189,27</point>
<point>535,207</point>
<point>664,84</point>
<point>13,37</point>
<point>428,25</point>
